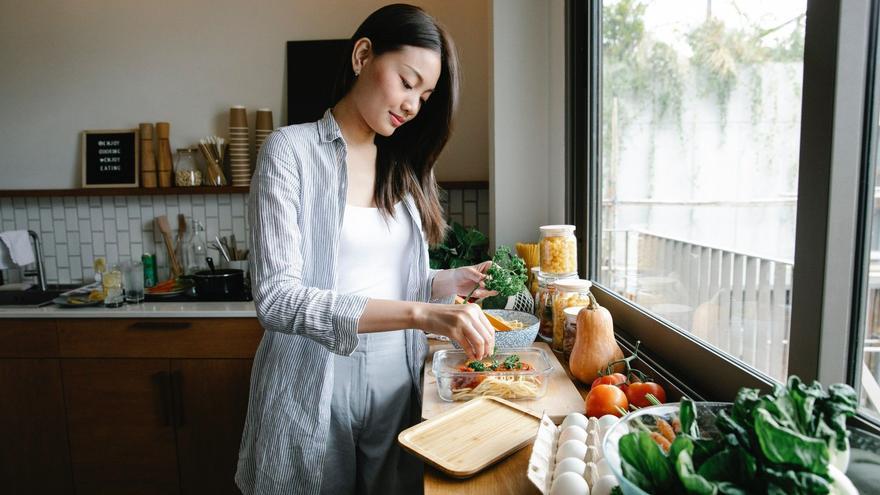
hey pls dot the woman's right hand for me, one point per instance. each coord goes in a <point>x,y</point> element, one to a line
<point>463,323</point>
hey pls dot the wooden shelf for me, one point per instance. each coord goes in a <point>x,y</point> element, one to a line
<point>126,191</point>
<point>157,191</point>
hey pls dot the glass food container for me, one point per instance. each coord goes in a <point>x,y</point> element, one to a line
<point>570,332</point>
<point>544,303</point>
<point>456,385</point>
<point>569,292</point>
<point>558,250</point>
<point>187,172</point>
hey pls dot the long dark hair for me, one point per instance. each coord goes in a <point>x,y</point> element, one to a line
<point>405,160</point>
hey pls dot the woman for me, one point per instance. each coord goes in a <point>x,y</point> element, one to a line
<point>341,212</point>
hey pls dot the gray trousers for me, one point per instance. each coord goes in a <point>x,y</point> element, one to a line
<point>372,403</point>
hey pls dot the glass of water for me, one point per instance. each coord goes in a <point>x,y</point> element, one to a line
<point>133,280</point>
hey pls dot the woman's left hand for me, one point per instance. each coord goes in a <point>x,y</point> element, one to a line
<point>467,277</point>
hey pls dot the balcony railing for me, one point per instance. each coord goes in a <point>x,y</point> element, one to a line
<point>739,303</point>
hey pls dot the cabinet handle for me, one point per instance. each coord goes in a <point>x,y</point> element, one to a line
<point>159,325</point>
<point>177,388</point>
<point>162,379</point>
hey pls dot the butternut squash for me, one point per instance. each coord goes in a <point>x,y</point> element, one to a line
<point>594,345</point>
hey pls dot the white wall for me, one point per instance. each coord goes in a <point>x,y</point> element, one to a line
<point>70,66</point>
<point>527,149</point>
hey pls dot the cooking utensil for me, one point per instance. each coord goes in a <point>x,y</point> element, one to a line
<point>165,229</point>
<point>233,248</point>
<point>222,248</point>
<point>218,282</point>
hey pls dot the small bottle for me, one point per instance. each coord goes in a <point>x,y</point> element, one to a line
<point>558,250</point>
<point>569,293</point>
<point>196,251</point>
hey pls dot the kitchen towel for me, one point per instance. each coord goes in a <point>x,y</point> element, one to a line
<point>15,249</point>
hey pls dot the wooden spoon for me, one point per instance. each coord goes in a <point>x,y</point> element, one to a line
<point>165,228</point>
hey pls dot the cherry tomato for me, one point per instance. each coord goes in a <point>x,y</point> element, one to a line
<point>612,379</point>
<point>636,392</point>
<point>605,399</point>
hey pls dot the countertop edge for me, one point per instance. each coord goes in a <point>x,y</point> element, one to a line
<point>143,310</point>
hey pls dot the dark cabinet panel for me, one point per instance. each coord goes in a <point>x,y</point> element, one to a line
<point>211,397</point>
<point>120,415</point>
<point>33,434</point>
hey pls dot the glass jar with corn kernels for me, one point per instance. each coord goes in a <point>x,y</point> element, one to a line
<point>568,293</point>
<point>558,250</point>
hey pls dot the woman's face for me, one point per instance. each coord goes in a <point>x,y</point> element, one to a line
<point>392,87</point>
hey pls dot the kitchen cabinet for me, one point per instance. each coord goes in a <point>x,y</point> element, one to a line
<point>121,430</point>
<point>141,406</point>
<point>33,431</point>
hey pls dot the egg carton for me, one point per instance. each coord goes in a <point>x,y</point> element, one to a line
<point>568,459</point>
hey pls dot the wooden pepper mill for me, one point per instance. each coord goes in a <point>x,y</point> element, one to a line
<point>148,160</point>
<point>163,133</point>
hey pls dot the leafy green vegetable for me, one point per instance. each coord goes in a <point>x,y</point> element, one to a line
<point>507,274</point>
<point>778,443</point>
<point>461,247</point>
<point>513,362</point>
<point>477,366</point>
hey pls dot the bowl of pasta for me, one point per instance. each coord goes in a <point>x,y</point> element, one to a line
<point>524,328</point>
<point>513,373</point>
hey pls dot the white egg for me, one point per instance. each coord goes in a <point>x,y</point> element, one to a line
<point>569,465</point>
<point>576,419</point>
<point>569,484</point>
<point>571,448</point>
<point>603,468</point>
<point>572,433</point>
<point>603,485</point>
<point>607,421</point>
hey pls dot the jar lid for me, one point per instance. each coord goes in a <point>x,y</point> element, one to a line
<point>535,269</point>
<point>571,313</point>
<point>550,278</point>
<point>572,284</point>
<point>557,229</point>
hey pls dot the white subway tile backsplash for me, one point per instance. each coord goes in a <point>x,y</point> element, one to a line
<point>74,230</point>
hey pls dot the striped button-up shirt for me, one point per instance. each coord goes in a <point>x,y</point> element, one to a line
<point>296,207</point>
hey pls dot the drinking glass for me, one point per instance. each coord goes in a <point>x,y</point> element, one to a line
<point>133,281</point>
<point>112,282</point>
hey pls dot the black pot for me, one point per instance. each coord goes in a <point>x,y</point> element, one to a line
<point>222,282</point>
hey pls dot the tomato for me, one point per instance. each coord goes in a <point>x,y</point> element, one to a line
<point>636,392</point>
<point>612,379</point>
<point>605,399</point>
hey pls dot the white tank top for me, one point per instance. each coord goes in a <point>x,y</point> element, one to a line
<point>375,253</point>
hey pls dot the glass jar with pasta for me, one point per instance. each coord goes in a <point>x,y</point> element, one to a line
<point>558,250</point>
<point>544,303</point>
<point>569,293</point>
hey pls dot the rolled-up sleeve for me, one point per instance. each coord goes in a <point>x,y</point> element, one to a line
<point>283,303</point>
<point>428,288</point>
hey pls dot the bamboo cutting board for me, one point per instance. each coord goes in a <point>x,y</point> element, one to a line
<point>562,396</point>
<point>477,433</point>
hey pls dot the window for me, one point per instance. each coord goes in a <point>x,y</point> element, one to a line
<point>700,139</point>
<point>721,181</point>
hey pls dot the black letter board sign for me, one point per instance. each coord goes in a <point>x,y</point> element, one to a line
<point>110,158</point>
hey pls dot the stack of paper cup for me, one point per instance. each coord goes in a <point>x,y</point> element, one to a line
<point>263,129</point>
<point>239,147</point>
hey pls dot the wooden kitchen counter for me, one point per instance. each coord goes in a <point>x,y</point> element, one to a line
<point>506,477</point>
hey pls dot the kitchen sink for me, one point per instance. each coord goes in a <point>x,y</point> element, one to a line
<point>34,296</point>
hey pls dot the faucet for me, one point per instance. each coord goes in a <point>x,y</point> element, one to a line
<point>39,271</point>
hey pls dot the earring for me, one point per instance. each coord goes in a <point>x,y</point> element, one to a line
<point>357,73</point>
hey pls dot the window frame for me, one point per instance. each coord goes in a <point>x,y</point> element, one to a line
<point>832,226</point>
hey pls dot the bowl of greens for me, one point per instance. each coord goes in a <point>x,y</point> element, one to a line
<point>793,440</point>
